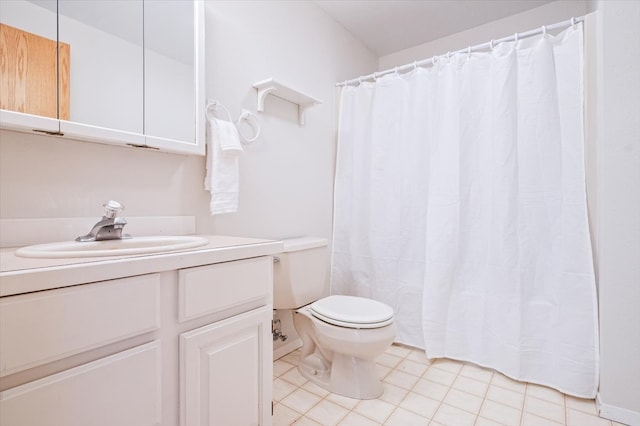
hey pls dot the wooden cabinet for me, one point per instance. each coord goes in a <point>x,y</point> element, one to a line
<point>30,76</point>
<point>190,346</point>
<point>28,97</point>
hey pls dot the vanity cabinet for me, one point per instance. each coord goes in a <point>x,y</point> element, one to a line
<point>188,343</point>
<point>39,328</point>
<point>121,389</point>
<point>221,363</point>
<point>122,73</point>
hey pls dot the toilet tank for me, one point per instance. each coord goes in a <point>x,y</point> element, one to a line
<point>300,277</point>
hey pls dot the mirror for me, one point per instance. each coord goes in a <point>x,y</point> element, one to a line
<point>117,72</point>
<point>169,76</point>
<point>28,59</point>
<point>106,68</point>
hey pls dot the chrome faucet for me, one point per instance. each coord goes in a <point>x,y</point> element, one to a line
<point>109,227</point>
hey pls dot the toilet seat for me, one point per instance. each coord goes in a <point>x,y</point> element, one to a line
<point>352,312</point>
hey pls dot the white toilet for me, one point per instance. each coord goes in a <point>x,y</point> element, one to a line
<point>341,335</point>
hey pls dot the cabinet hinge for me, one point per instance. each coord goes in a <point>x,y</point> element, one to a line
<point>48,132</point>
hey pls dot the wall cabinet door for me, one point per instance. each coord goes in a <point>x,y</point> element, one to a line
<point>106,68</point>
<point>220,365</point>
<point>122,389</point>
<point>29,65</point>
<point>174,59</point>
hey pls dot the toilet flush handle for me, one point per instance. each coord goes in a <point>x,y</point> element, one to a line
<point>276,259</point>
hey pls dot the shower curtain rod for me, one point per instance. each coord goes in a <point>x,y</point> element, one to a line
<point>431,61</point>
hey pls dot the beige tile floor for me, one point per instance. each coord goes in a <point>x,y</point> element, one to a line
<point>420,392</point>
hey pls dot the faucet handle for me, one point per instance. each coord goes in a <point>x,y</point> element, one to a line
<point>112,208</point>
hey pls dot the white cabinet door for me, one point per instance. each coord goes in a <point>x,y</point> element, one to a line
<point>122,389</point>
<point>226,372</point>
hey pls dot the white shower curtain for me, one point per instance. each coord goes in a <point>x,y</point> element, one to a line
<point>460,201</point>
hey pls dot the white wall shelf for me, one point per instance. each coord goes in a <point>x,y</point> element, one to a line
<point>275,88</point>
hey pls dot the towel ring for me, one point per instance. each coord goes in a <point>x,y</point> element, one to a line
<point>213,107</point>
<point>252,120</point>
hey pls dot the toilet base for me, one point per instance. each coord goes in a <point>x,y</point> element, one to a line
<point>315,369</point>
<point>345,375</point>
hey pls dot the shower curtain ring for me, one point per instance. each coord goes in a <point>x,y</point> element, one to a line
<point>516,37</point>
<point>415,65</point>
<point>573,22</point>
<point>469,51</point>
<point>544,30</point>
<point>491,45</point>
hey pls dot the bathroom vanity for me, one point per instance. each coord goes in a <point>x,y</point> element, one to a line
<point>181,337</point>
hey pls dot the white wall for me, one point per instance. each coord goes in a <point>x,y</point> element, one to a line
<point>49,177</point>
<point>286,177</point>
<point>546,14</point>
<point>618,208</point>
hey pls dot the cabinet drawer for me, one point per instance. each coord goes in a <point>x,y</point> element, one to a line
<point>213,288</point>
<point>41,327</point>
<point>122,389</point>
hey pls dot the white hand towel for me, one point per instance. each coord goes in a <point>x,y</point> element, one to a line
<point>222,179</point>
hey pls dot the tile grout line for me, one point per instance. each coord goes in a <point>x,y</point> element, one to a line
<point>409,390</point>
<point>524,401</point>
<point>448,390</point>
<point>484,398</point>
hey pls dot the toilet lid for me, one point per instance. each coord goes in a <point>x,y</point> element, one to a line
<point>352,312</point>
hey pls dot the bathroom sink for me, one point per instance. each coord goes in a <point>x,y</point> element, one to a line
<point>130,246</point>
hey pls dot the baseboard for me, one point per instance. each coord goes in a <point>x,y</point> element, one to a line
<point>286,348</point>
<point>617,414</point>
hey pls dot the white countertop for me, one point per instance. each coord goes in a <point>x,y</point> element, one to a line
<point>23,275</point>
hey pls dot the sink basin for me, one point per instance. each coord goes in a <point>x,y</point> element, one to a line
<point>131,246</point>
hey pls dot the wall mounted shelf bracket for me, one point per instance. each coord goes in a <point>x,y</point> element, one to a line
<point>275,88</point>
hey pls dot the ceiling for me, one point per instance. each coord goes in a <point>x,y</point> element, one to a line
<point>387,26</point>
